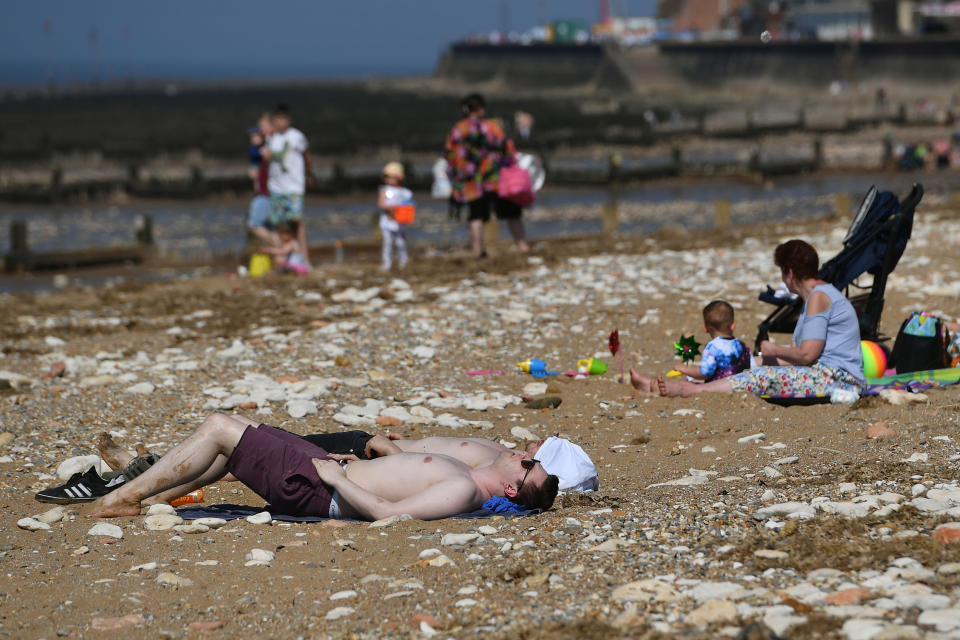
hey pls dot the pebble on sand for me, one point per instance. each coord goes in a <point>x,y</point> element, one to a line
<point>650,590</point>
<point>108,624</point>
<point>105,529</point>
<point>32,524</point>
<point>173,580</point>
<point>947,533</point>
<point>161,522</point>
<point>142,388</point>
<point>78,464</point>
<point>712,612</point>
<point>338,612</point>
<point>259,557</point>
<point>263,517</point>
<point>160,508</point>
<point>205,625</point>
<point>880,430</point>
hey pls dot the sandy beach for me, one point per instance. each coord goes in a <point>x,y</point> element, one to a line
<point>716,516</point>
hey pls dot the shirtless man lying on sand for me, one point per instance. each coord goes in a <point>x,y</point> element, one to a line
<point>299,478</point>
<point>558,456</point>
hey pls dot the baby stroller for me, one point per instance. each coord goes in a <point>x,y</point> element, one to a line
<point>874,243</point>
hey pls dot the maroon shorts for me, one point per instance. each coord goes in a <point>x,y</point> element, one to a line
<point>277,465</point>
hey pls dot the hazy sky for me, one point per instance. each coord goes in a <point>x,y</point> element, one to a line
<point>73,40</point>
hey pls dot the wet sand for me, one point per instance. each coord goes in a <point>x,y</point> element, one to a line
<point>147,361</point>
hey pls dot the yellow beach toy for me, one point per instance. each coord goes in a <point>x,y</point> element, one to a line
<point>260,265</point>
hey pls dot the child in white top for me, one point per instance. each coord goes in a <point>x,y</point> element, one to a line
<point>391,195</point>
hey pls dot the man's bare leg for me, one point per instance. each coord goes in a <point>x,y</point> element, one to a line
<point>684,389</point>
<point>214,475</point>
<point>203,455</point>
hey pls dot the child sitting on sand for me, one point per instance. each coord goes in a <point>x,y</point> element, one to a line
<point>723,356</point>
<point>288,256</point>
<point>391,196</point>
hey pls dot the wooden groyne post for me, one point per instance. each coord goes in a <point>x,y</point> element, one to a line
<point>722,216</point>
<point>843,205</point>
<point>17,259</point>
<point>145,230</point>
<point>611,210</point>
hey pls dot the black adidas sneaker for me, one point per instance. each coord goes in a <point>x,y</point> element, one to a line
<point>81,487</point>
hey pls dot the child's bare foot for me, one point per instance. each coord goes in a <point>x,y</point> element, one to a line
<point>675,388</point>
<point>112,453</point>
<point>106,507</point>
<point>642,383</point>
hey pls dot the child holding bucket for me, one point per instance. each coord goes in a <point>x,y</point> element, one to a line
<point>396,212</point>
<point>723,356</point>
<point>288,258</point>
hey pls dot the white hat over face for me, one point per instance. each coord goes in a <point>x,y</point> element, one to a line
<point>570,463</point>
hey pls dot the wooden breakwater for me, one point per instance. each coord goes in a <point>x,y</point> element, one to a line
<point>737,143</point>
<point>22,258</point>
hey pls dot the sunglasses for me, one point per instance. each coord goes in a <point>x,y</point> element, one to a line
<point>528,464</point>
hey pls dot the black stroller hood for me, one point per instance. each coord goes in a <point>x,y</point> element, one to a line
<point>874,244</point>
<point>867,247</point>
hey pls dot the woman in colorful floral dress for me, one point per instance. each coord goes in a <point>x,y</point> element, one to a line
<point>476,149</point>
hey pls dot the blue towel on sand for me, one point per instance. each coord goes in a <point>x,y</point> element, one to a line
<point>496,504</point>
<point>493,506</point>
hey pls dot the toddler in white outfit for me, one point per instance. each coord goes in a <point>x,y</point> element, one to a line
<point>392,195</point>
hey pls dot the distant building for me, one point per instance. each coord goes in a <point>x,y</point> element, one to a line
<point>700,16</point>
<point>936,17</point>
<point>838,20</point>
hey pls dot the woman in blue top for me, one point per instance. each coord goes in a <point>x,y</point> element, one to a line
<point>825,354</point>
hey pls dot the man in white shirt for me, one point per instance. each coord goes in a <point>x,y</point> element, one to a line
<point>290,173</point>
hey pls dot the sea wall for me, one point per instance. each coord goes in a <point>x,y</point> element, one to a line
<point>928,61</point>
<point>532,66</point>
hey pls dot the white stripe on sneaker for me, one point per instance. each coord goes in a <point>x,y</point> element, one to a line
<point>69,492</point>
<point>82,487</point>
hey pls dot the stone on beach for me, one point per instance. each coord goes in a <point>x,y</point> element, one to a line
<point>105,529</point>
<point>173,580</point>
<point>52,516</point>
<point>263,517</point>
<point>32,524</point>
<point>301,408</point>
<point>109,624</point>
<point>947,533</point>
<point>78,464</point>
<point>160,508</point>
<point>259,557</point>
<point>161,522</point>
<point>649,590</point>
<point>452,539</point>
<point>880,430</point>
<point>712,612</point>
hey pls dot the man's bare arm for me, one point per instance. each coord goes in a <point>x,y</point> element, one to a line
<point>381,445</point>
<point>440,500</point>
